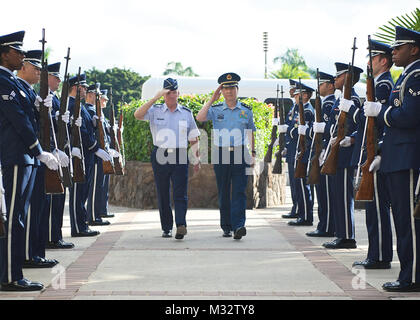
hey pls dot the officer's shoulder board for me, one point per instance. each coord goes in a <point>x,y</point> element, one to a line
<point>185,108</point>
<point>246,106</point>
<point>217,105</point>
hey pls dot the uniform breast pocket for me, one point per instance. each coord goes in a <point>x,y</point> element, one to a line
<point>161,122</point>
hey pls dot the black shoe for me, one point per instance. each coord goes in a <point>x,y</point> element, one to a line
<point>86,233</point>
<point>300,222</point>
<point>39,262</point>
<point>398,286</point>
<point>181,231</point>
<point>289,216</point>
<point>107,215</point>
<point>239,233</point>
<point>227,233</point>
<point>340,243</point>
<point>22,285</point>
<point>318,233</point>
<point>167,234</point>
<point>99,223</point>
<point>372,264</point>
<point>60,244</point>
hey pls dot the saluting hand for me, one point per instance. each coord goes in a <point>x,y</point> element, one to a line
<point>217,93</point>
<point>161,93</point>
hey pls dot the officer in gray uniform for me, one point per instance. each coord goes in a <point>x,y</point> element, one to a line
<point>233,129</point>
<point>172,126</point>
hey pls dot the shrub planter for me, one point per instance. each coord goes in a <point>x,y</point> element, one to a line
<point>137,189</point>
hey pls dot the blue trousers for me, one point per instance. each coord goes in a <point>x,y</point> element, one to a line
<point>55,220</point>
<point>164,174</point>
<point>231,179</point>
<point>37,218</point>
<point>98,192</point>
<point>304,200</point>
<point>291,172</point>
<point>325,215</point>
<point>18,182</point>
<point>378,222</point>
<point>79,193</point>
<point>401,188</point>
<point>343,202</point>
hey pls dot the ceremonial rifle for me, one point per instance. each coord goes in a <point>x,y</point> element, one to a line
<point>76,139</point>
<point>52,179</point>
<point>63,138</point>
<point>277,168</point>
<point>120,137</point>
<point>269,155</point>
<point>119,169</point>
<point>331,162</point>
<point>314,167</point>
<point>3,209</point>
<point>365,191</point>
<point>108,166</point>
<point>300,166</point>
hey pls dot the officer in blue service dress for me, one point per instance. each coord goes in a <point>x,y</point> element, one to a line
<point>57,201</point>
<point>233,130</point>
<point>290,158</point>
<point>295,131</point>
<point>325,227</point>
<point>342,182</point>
<point>378,219</point>
<point>172,126</point>
<point>19,147</point>
<point>400,155</point>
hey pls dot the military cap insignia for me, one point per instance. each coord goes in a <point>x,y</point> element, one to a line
<point>229,77</point>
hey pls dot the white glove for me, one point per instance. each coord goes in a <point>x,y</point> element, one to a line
<point>321,157</point>
<point>103,155</point>
<point>282,128</point>
<point>346,142</point>
<point>372,109</point>
<point>302,129</point>
<point>78,122</point>
<point>94,120</point>
<point>376,164</point>
<point>48,101</point>
<point>65,117</point>
<point>76,152</point>
<point>114,153</point>
<point>37,102</point>
<point>345,105</point>
<point>115,127</point>
<point>284,152</point>
<point>62,157</point>
<point>49,160</point>
<point>319,127</point>
<point>275,121</point>
<point>102,117</point>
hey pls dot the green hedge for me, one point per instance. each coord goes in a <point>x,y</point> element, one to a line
<point>138,142</point>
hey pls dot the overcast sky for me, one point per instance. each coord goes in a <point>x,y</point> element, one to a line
<point>213,37</point>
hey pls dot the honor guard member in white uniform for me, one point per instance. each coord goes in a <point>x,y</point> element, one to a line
<point>95,187</point>
<point>233,130</point>
<point>19,150</point>
<point>79,191</point>
<point>378,219</point>
<point>325,227</point>
<point>294,131</point>
<point>37,218</point>
<point>342,182</point>
<point>290,158</point>
<point>400,155</point>
<point>172,126</point>
<point>57,202</point>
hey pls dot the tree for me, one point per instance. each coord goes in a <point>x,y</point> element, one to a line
<point>409,21</point>
<point>293,66</point>
<point>176,68</point>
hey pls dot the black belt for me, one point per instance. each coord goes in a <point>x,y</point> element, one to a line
<point>171,150</point>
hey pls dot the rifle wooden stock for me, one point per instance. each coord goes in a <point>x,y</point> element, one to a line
<point>300,170</point>
<point>2,225</point>
<point>315,169</point>
<point>76,141</point>
<point>269,155</point>
<point>63,139</point>
<point>52,181</point>
<point>108,166</point>
<point>118,165</point>
<point>278,168</point>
